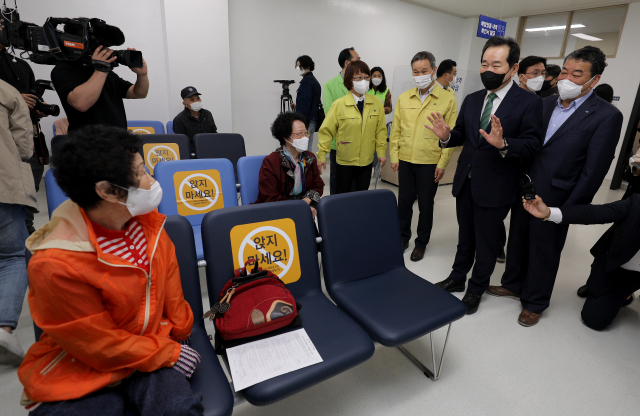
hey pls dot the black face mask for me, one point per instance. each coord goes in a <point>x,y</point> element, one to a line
<point>546,85</point>
<point>491,80</point>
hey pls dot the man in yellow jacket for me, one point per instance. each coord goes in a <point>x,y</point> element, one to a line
<point>415,151</point>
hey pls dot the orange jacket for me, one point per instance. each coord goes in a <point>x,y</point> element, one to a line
<point>102,317</point>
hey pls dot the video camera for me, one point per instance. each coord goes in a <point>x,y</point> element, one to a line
<point>75,43</point>
<point>48,109</point>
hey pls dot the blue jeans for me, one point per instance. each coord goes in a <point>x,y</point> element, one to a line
<point>162,392</point>
<point>311,130</point>
<point>13,266</point>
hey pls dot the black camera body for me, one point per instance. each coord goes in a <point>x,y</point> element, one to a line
<point>48,109</point>
<point>76,42</point>
<point>528,188</point>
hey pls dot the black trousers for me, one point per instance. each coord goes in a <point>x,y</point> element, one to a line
<point>598,312</point>
<point>478,229</point>
<point>346,176</point>
<point>333,172</point>
<point>534,249</point>
<point>502,235</point>
<point>416,180</point>
<point>37,170</point>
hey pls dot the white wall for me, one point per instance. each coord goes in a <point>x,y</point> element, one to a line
<point>267,36</point>
<point>139,21</point>
<point>197,38</point>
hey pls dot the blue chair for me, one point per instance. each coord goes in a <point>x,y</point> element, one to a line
<point>164,173</point>
<point>365,275</point>
<point>181,140</point>
<point>248,173</point>
<point>220,146</point>
<point>55,196</point>
<point>209,378</point>
<point>54,129</point>
<point>342,344</point>
<point>170,127</point>
<point>157,126</point>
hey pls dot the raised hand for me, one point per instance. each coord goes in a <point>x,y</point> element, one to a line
<point>536,207</point>
<point>495,138</point>
<point>439,127</point>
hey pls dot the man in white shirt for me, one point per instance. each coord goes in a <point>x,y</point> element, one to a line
<point>615,272</point>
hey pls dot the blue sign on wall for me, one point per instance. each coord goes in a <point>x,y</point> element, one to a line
<point>488,27</point>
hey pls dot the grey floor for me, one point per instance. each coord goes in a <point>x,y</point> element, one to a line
<point>493,365</point>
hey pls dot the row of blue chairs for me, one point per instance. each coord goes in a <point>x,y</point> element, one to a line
<point>376,299</point>
<point>157,126</point>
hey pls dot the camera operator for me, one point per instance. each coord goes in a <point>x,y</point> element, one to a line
<point>93,93</point>
<point>17,73</point>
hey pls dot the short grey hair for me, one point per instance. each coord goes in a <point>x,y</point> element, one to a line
<point>424,55</point>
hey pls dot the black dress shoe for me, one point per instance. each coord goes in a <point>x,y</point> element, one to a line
<point>583,291</point>
<point>502,256</point>
<point>451,285</point>
<point>418,253</point>
<point>405,246</point>
<point>471,301</point>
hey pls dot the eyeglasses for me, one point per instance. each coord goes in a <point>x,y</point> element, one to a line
<point>301,134</point>
<point>537,73</point>
<point>361,78</point>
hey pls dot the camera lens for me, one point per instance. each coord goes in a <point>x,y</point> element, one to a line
<point>48,109</point>
<point>132,59</point>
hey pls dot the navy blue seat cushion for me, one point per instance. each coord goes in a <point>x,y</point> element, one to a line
<point>342,344</point>
<point>209,378</point>
<point>397,306</point>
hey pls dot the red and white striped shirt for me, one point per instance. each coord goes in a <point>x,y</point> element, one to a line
<point>129,245</point>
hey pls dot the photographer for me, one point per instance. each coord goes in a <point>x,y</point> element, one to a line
<point>17,73</point>
<point>93,93</point>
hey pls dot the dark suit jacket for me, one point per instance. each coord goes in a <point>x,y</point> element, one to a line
<point>496,179</point>
<point>571,166</point>
<point>617,245</point>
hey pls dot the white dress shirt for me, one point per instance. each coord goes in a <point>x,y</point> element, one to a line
<point>424,97</point>
<point>356,98</point>
<point>633,264</point>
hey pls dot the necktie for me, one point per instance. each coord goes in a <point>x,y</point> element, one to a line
<point>486,113</point>
<point>486,118</point>
<point>361,106</point>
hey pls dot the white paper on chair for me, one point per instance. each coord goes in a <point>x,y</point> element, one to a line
<point>258,361</point>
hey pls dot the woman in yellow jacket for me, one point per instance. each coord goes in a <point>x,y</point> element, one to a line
<point>358,124</point>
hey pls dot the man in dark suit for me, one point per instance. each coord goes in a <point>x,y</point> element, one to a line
<point>498,125</point>
<point>582,132</point>
<point>615,272</point>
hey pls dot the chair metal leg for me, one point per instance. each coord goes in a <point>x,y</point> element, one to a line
<point>435,374</point>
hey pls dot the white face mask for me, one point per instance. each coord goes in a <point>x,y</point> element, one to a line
<point>301,144</point>
<point>569,89</point>
<point>196,105</point>
<point>361,86</point>
<point>300,70</point>
<point>534,84</point>
<point>376,81</point>
<point>423,81</point>
<point>142,201</point>
<point>454,81</point>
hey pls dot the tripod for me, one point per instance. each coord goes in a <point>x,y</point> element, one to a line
<point>285,99</point>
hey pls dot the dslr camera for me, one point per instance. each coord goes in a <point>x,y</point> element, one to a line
<point>48,109</point>
<point>77,41</point>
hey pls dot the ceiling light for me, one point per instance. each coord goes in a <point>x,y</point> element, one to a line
<point>541,29</point>
<point>586,37</point>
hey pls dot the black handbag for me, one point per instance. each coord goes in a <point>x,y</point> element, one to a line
<point>320,113</point>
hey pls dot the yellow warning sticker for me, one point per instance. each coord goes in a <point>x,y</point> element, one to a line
<point>273,244</point>
<point>159,152</point>
<point>142,130</point>
<point>198,191</point>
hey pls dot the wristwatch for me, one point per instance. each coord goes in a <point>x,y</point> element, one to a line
<point>506,145</point>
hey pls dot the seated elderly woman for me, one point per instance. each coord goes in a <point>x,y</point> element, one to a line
<point>291,171</point>
<point>105,289</point>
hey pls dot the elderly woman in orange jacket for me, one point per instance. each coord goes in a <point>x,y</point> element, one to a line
<point>105,289</point>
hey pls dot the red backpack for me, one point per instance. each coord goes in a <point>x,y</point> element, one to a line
<point>252,303</point>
